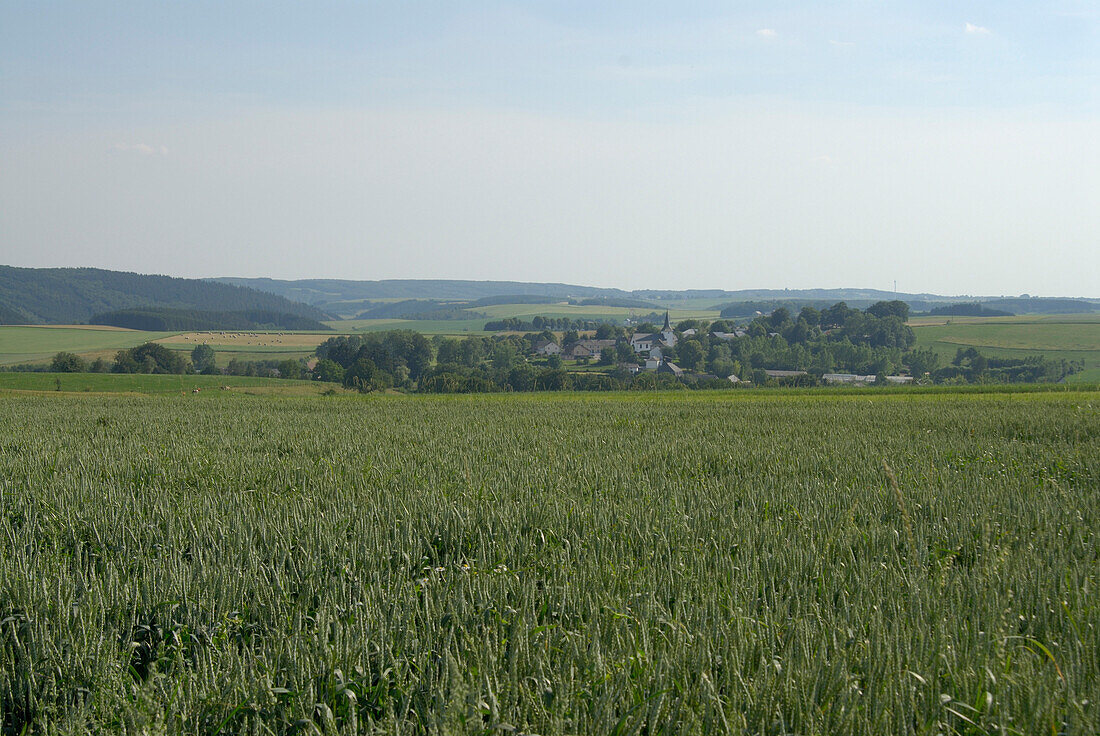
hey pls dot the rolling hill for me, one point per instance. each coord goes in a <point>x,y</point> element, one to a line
<point>351,298</point>
<point>76,295</point>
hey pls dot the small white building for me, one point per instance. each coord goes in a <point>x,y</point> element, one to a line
<point>641,342</point>
<point>547,347</point>
<point>851,378</point>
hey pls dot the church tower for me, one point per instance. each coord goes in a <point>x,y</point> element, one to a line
<point>667,327</point>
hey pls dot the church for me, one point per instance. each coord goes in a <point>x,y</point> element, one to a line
<point>643,342</point>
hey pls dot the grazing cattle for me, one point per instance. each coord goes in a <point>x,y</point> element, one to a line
<point>195,390</point>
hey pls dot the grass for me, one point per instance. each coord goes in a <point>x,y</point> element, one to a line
<point>40,344</point>
<point>146,384</point>
<point>735,562</point>
<point>250,353</point>
<point>424,326</point>
<point>618,314</point>
<point>500,311</point>
<point>249,340</point>
<point>1069,337</point>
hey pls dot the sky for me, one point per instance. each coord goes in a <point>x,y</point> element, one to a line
<point>950,146</point>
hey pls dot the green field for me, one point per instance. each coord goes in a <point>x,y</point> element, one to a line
<point>147,383</point>
<point>692,563</point>
<point>501,311</point>
<point>222,356</point>
<point>616,314</point>
<point>423,326</point>
<point>1072,337</point>
<point>39,344</point>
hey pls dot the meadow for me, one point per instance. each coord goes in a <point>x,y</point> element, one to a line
<point>1073,337</point>
<point>738,562</point>
<point>20,344</point>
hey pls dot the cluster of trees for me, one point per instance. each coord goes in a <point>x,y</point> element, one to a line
<point>515,324</point>
<point>970,366</point>
<point>374,361</point>
<point>155,358</point>
<point>971,309</point>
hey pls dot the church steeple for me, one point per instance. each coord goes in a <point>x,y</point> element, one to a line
<point>667,327</point>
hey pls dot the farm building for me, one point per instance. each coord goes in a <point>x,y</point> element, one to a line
<point>668,366</point>
<point>587,349</point>
<point>728,335</point>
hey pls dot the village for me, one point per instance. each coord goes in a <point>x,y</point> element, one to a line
<point>651,351</point>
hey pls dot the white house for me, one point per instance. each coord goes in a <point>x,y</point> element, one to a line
<point>642,342</point>
<point>547,347</point>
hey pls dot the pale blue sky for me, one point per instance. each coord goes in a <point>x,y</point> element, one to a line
<point>953,146</point>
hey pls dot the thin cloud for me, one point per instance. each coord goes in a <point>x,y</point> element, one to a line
<point>767,33</point>
<point>143,149</point>
<point>977,30</point>
<point>834,42</point>
<point>658,73</point>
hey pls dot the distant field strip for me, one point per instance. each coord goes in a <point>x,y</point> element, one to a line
<point>522,311</point>
<point>248,340</point>
<point>249,345</point>
<point>39,344</point>
<point>140,383</point>
<point>595,311</point>
<point>427,327</point>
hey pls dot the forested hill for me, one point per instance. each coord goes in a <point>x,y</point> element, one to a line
<point>74,295</point>
<point>318,291</point>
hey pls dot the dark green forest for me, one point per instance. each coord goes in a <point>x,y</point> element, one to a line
<point>970,309</point>
<point>75,295</point>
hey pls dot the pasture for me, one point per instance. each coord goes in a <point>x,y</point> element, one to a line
<point>246,346</point>
<point>1072,337</point>
<point>664,563</point>
<point>38,344</point>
